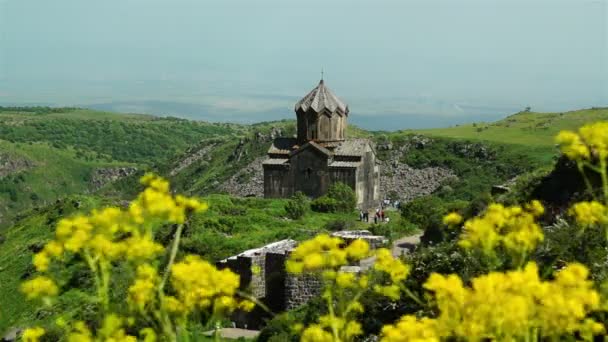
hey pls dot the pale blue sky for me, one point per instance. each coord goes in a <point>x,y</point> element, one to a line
<point>409,63</point>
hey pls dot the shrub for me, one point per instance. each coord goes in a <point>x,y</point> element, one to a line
<point>339,224</point>
<point>339,198</point>
<point>297,206</point>
<point>324,204</point>
<point>344,196</point>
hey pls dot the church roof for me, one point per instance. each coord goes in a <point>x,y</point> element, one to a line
<point>282,145</point>
<point>275,161</point>
<point>348,164</point>
<point>313,145</point>
<point>321,98</point>
<point>351,147</point>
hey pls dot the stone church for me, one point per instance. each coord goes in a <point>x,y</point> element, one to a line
<point>321,154</point>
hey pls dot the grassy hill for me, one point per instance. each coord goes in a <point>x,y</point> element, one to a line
<point>529,131</point>
<point>48,153</point>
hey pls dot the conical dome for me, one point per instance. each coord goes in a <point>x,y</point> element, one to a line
<point>321,116</point>
<point>321,98</point>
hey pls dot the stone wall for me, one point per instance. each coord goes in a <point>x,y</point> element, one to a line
<point>299,289</point>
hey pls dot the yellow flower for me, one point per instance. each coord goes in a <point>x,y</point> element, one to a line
<point>409,328</point>
<point>142,248</point>
<point>452,219</point>
<point>589,213</point>
<point>316,333</point>
<point>385,262</point>
<point>143,290</point>
<point>199,285</point>
<point>321,253</point>
<point>345,280</point>
<point>39,287</point>
<point>572,145</point>
<point>511,227</point>
<point>509,305</point>
<point>41,261</point>
<point>32,334</point>
<point>358,249</point>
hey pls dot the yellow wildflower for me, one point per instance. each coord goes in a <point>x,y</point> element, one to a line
<point>512,227</point>
<point>316,333</point>
<point>358,249</point>
<point>572,146</point>
<point>41,261</point>
<point>385,262</point>
<point>32,334</point>
<point>509,305</point>
<point>409,328</point>
<point>199,285</point>
<point>589,213</point>
<point>142,248</point>
<point>143,289</point>
<point>452,219</point>
<point>39,287</point>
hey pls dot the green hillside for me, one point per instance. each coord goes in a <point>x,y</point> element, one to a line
<point>531,131</point>
<point>48,153</point>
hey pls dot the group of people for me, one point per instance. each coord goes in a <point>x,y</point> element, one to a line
<point>379,216</point>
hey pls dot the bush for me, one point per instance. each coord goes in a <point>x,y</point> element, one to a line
<point>324,204</point>
<point>339,198</point>
<point>339,224</point>
<point>344,196</point>
<point>297,206</point>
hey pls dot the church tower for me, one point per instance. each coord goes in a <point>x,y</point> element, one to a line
<point>321,116</point>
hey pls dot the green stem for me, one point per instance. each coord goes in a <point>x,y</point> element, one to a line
<point>174,248</point>
<point>96,275</point>
<point>604,179</point>
<point>581,169</point>
<point>332,316</point>
<point>164,318</point>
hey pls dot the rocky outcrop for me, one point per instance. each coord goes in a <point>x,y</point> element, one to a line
<point>11,164</point>
<point>103,176</point>
<point>192,157</point>
<point>409,183</point>
<point>248,182</point>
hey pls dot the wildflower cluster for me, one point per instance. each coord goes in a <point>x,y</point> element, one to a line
<point>326,256</point>
<point>513,228</point>
<point>589,213</point>
<point>591,139</point>
<point>589,149</point>
<point>111,237</point>
<point>506,306</point>
<point>199,285</point>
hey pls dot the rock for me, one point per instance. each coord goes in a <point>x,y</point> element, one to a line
<point>192,157</point>
<point>248,182</point>
<point>12,164</point>
<point>407,182</point>
<point>104,176</point>
<point>12,334</point>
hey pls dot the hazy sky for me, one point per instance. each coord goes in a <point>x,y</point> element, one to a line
<point>411,63</point>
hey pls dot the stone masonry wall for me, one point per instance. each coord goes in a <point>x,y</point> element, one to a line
<point>299,289</point>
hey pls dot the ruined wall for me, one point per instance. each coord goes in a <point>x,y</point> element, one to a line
<point>299,289</point>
